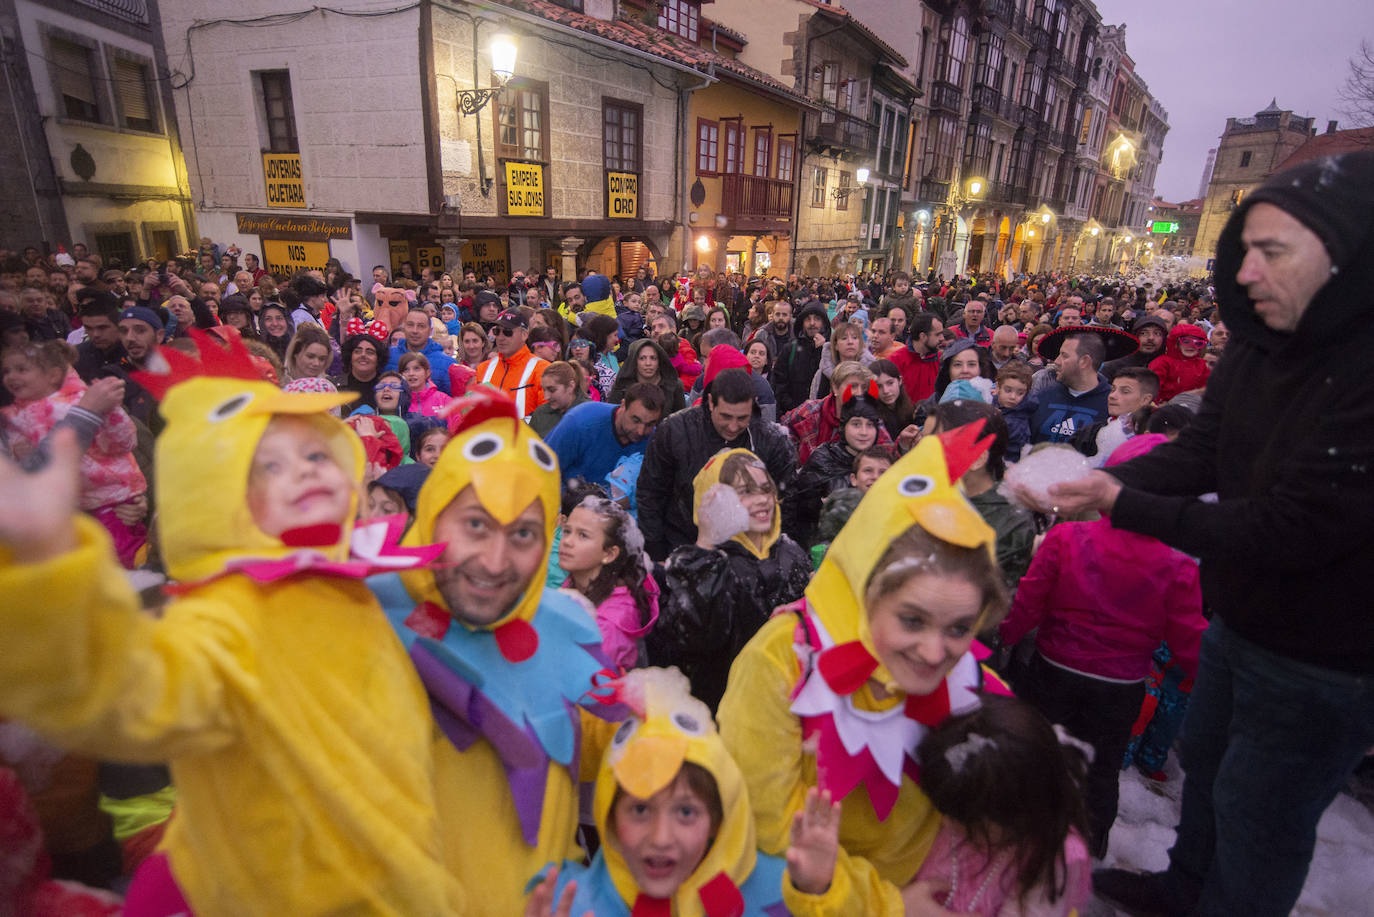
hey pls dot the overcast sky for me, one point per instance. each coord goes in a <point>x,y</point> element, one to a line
<point>1206,61</point>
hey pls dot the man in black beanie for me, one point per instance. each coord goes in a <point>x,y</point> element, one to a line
<point>1283,708</point>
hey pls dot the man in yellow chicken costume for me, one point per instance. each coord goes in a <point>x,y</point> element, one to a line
<point>508,665</point>
<point>811,703</point>
<point>295,728</point>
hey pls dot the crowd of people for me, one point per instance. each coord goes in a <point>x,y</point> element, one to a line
<point>692,595</point>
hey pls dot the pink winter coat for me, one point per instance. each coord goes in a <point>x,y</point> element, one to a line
<point>618,619</point>
<point>429,400</point>
<point>1104,598</point>
<point>988,887</point>
<point>109,474</point>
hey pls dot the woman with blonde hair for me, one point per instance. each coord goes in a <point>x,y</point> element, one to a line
<point>308,354</point>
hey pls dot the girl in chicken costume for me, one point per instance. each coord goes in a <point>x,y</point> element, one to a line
<point>839,693</point>
<point>295,728</point>
<point>667,851</point>
<point>510,697</point>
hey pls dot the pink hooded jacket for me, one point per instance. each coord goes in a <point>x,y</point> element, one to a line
<point>109,474</point>
<point>618,620</point>
<point>1104,598</point>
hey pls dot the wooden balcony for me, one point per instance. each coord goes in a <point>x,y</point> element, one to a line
<point>945,96</point>
<point>836,130</point>
<point>759,204</point>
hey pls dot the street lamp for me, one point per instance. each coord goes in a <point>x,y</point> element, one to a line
<point>471,101</point>
<point>976,187</point>
<point>703,243</point>
<point>1095,230</point>
<point>860,176</point>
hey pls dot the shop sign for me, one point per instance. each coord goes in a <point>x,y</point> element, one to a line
<point>318,229</point>
<point>291,256</point>
<point>524,189</point>
<point>488,256</point>
<point>1163,226</point>
<point>282,173</point>
<point>400,251</point>
<point>622,196</point>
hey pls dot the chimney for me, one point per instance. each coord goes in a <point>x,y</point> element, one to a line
<point>1331,127</point>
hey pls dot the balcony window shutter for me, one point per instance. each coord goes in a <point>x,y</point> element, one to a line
<point>73,63</point>
<point>131,83</point>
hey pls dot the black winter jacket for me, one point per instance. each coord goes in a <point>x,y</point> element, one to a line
<point>826,470</point>
<point>679,448</point>
<point>1285,436</point>
<point>715,601</point>
<point>798,361</point>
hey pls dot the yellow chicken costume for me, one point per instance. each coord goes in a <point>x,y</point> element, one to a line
<point>668,728</point>
<point>510,700</point>
<point>296,731</point>
<point>800,712</point>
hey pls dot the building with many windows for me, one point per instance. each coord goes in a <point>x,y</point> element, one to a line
<point>609,135</point>
<point>90,152</point>
<point>853,141</point>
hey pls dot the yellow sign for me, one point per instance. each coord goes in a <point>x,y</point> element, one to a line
<point>524,189</point>
<point>288,257</point>
<point>285,186</point>
<point>487,256</point>
<point>400,251</point>
<point>429,256</point>
<point>622,196</point>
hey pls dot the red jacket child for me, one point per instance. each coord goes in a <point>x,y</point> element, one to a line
<point>1181,368</point>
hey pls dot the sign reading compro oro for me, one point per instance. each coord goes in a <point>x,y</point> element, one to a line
<point>622,196</point>
<point>289,256</point>
<point>524,189</point>
<point>282,173</point>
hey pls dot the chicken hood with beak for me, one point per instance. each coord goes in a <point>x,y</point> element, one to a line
<point>668,728</point>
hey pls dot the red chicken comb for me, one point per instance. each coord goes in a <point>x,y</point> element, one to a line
<point>479,405</point>
<point>963,446</point>
<point>222,355</point>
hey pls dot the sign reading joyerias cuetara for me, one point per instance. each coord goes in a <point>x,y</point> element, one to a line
<point>285,184</point>
<point>524,189</point>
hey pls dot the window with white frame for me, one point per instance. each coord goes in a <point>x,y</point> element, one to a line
<point>681,17</point>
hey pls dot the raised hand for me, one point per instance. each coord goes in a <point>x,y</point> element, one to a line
<point>103,395</point>
<point>37,510</point>
<point>815,843</point>
<point>721,516</point>
<point>541,903</point>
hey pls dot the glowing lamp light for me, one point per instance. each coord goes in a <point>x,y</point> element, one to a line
<point>1130,239</point>
<point>861,174</point>
<point>1095,230</point>
<point>1030,233</point>
<point>1044,217</point>
<point>503,56</point>
<point>703,243</point>
<point>975,187</point>
<point>922,216</point>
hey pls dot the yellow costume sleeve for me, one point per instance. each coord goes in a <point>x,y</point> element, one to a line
<point>765,738</point>
<point>85,666</point>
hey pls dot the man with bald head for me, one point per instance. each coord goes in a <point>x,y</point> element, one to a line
<point>1006,344</point>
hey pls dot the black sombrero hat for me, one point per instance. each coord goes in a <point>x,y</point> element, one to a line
<point>1119,343</point>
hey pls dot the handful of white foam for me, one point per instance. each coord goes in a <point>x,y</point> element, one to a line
<point>1028,482</point>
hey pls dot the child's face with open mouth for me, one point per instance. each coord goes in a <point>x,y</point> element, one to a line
<point>664,838</point>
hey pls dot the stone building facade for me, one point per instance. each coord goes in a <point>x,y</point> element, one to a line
<point>1250,149</point>
<point>91,152</point>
